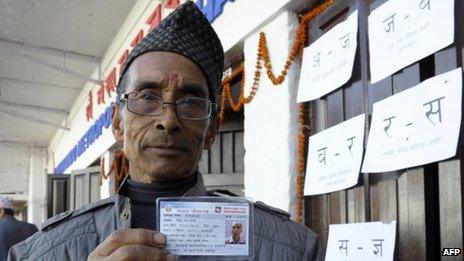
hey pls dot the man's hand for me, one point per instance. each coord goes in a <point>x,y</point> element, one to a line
<point>132,244</point>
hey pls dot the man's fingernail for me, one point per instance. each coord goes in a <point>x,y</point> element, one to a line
<point>159,238</point>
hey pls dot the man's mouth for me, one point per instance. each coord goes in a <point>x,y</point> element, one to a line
<point>166,150</point>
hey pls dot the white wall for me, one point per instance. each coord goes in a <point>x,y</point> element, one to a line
<point>241,17</point>
<point>14,168</point>
<point>271,120</point>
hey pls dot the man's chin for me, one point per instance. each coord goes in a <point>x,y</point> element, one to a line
<point>165,168</point>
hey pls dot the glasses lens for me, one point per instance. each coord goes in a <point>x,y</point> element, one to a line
<point>194,108</point>
<point>146,103</point>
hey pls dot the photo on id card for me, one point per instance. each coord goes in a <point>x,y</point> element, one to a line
<point>206,226</point>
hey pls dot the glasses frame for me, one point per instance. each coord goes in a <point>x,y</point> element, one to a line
<point>212,106</point>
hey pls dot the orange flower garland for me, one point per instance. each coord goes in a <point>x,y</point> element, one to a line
<point>263,55</point>
<point>300,166</point>
<point>226,92</point>
<point>120,169</point>
<point>103,176</point>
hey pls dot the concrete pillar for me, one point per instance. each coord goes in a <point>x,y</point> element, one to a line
<point>271,119</point>
<point>37,198</point>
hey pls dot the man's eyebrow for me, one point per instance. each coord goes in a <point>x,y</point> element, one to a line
<point>186,88</point>
<point>193,88</point>
<point>144,84</point>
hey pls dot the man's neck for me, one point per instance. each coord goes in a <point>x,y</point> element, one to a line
<point>138,175</point>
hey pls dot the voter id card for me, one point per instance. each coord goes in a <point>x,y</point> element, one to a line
<point>206,226</point>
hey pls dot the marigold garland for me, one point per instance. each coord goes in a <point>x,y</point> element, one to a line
<point>300,164</point>
<point>226,88</point>
<point>119,168</point>
<point>103,176</point>
<point>263,56</point>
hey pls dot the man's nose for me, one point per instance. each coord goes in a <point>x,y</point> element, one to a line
<point>168,120</point>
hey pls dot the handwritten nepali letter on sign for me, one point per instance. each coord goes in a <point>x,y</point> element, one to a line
<point>361,241</point>
<point>328,62</point>
<point>416,126</point>
<point>402,32</point>
<point>206,226</point>
<point>334,157</point>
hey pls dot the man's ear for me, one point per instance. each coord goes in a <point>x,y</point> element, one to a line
<point>116,123</point>
<point>211,133</point>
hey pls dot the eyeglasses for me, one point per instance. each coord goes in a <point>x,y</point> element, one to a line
<point>148,104</point>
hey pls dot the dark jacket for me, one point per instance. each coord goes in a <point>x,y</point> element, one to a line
<point>73,235</point>
<point>13,231</point>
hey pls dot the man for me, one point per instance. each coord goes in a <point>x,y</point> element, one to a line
<point>12,231</point>
<point>165,116</point>
<point>236,237</point>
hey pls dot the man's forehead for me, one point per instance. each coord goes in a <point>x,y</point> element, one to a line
<point>156,81</point>
<point>173,82</point>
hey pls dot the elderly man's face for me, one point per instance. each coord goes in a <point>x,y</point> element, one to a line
<point>236,231</point>
<point>164,147</point>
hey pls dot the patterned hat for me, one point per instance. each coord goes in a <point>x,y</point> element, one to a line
<point>5,202</point>
<point>186,31</point>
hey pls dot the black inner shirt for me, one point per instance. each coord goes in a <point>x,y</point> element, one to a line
<point>143,198</point>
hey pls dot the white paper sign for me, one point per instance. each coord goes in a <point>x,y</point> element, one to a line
<point>416,126</point>
<point>403,32</point>
<point>328,62</point>
<point>205,228</point>
<point>361,241</point>
<point>334,157</point>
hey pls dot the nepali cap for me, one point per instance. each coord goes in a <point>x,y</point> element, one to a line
<point>186,31</point>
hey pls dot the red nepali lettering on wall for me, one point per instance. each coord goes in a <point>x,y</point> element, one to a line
<point>89,108</point>
<point>109,85</point>
<point>101,95</point>
<point>110,82</point>
<point>137,39</point>
<point>155,18</point>
<point>123,59</point>
<point>172,4</point>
